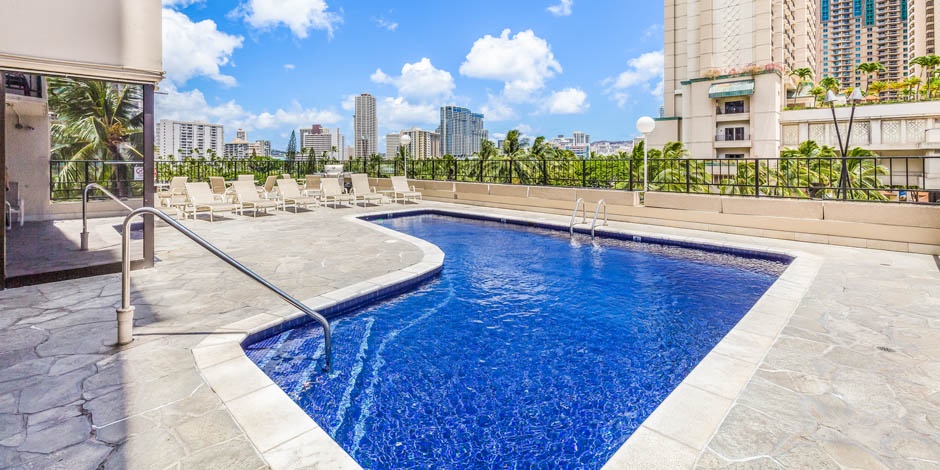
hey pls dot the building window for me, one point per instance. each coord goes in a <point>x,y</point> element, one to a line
<point>734,107</point>
<point>734,155</point>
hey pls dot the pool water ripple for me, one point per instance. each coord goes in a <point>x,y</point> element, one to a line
<point>530,350</point>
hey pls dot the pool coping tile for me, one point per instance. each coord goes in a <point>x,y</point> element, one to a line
<point>662,441</point>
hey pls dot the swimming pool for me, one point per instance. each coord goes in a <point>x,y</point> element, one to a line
<point>529,350</point>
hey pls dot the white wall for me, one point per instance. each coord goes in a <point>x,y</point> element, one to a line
<point>119,40</point>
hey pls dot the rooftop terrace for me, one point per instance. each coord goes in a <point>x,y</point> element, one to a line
<point>851,379</point>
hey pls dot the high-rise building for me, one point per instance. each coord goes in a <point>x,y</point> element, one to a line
<point>366,131</point>
<point>241,134</point>
<point>725,73</point>
<point>262,148</point>
<point>580,138</point>
<point>461,131</point>
<point>321,141</point>
<point>923,28</point>
<point>240,147</point>
<point>579,144</point>
<point>856,31</point>
<point>392,142</point>
<point>183,139</point>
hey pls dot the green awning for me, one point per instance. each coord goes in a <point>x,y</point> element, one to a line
<point>724,90</point>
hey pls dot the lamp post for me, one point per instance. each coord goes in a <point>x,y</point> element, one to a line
<point>405,140</point>
<point>854,98</point>
<point>645,125</point>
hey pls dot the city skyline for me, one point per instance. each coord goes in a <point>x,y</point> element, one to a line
<point>544,67</point>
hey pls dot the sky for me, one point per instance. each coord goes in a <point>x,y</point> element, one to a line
<point>544,67</point>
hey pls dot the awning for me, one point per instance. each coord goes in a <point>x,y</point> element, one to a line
<point>724,90</point>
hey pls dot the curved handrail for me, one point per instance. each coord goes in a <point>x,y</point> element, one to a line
<point>125,314</point>
<point>577,204</point>
<point>596,210</point>
<point>89,187</point>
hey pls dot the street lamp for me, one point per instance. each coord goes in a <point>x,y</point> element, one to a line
<point>405,140</point>
<point>854,98</point>
<point>645,125</point>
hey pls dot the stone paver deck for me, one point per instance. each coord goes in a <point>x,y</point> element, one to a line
<point>852,381</point>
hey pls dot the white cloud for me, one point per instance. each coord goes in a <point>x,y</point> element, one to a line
<point>567,101</point>
<point>562,9</point>
<point>192,106</point>
<point>524,129</point>
<point>396,114</point>
<point>524,62</point>
<point>419,81</point>
<point>289,67</point>
<point>298,15</point>
<point>349,103</point>
<point>386,24</point>
<point>193,49</point>
<point>496,109</point>
<point>644,72</point>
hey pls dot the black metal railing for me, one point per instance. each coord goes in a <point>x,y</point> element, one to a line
<point>900,179</point>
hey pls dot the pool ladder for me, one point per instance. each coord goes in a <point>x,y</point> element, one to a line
<point>580,204</point>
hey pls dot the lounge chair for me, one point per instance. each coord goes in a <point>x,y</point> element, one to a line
<point>175,195</point>
<point>332,192</point>
<point>269,183</point>
<point>311,185</point>
<point>246,178</point>
<point>401,190</point>
<point>362,192</point>
<point>247,196</point>
<point>291,195</point>
<point>201,199</point>
<point>217,184</point>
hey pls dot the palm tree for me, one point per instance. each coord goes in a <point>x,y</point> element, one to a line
<point>830,83</point>
<point>869,68</point>
<point>804,74</point>
<point>818,92</point>
<point>910,84</point>
<point>877,88</point>
<point>512,146</point>
<point>95,120</point>
<point>928,64</point>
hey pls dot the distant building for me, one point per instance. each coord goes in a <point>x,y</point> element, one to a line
<point>323,140</point>
<point>854,32</point>
<point>579,144</point>
<point>182,139</point>
<point>923,28</point>
<point>461,131</point>
<point>241,148</point>
<point>262,148</point>
<point>366,133</point>
<point>392,142</point>
<point>606,147</point>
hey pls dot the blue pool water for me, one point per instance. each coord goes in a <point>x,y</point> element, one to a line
<point>529,350</point>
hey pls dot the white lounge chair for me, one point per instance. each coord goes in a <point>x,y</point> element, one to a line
<point>333,193</point>
<point>201,199</point>
<point>362,192</point>
<point>311,185</point>
<point>291,195</point>
<point>175,195</point>
<point>247,196</point>
<point>400,189</point>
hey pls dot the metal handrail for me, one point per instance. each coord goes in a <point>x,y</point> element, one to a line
<point>125,314</point>
<point>577,204</point>
<point>85,209</point>
<point>596,211</point>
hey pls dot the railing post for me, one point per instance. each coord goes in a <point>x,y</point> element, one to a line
<point>510,171</point>
<point>583,174</point>
<point>756,178</point>
<point>433,172</point>
<point>630,167</point>
<point>481,170</point>
<point>688,182</point>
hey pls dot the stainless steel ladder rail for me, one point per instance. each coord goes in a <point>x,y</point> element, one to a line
<point>125,314</point>
<point>88,188</point>
<point>577,204</point>
<point>596,211</point>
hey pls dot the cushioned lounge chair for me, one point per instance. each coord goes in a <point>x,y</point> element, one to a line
<point>247,196</point>
<point>291,195</point>
<point>332,193</point>
<point>201,199</point>
<point>362,192</point>
<point>400,189</point>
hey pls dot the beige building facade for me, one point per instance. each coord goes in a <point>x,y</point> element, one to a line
<point>923,28</point>
<point>725,78</point>
<point>854,32</point>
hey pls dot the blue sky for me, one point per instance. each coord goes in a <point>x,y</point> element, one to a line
<point>545,67</point>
